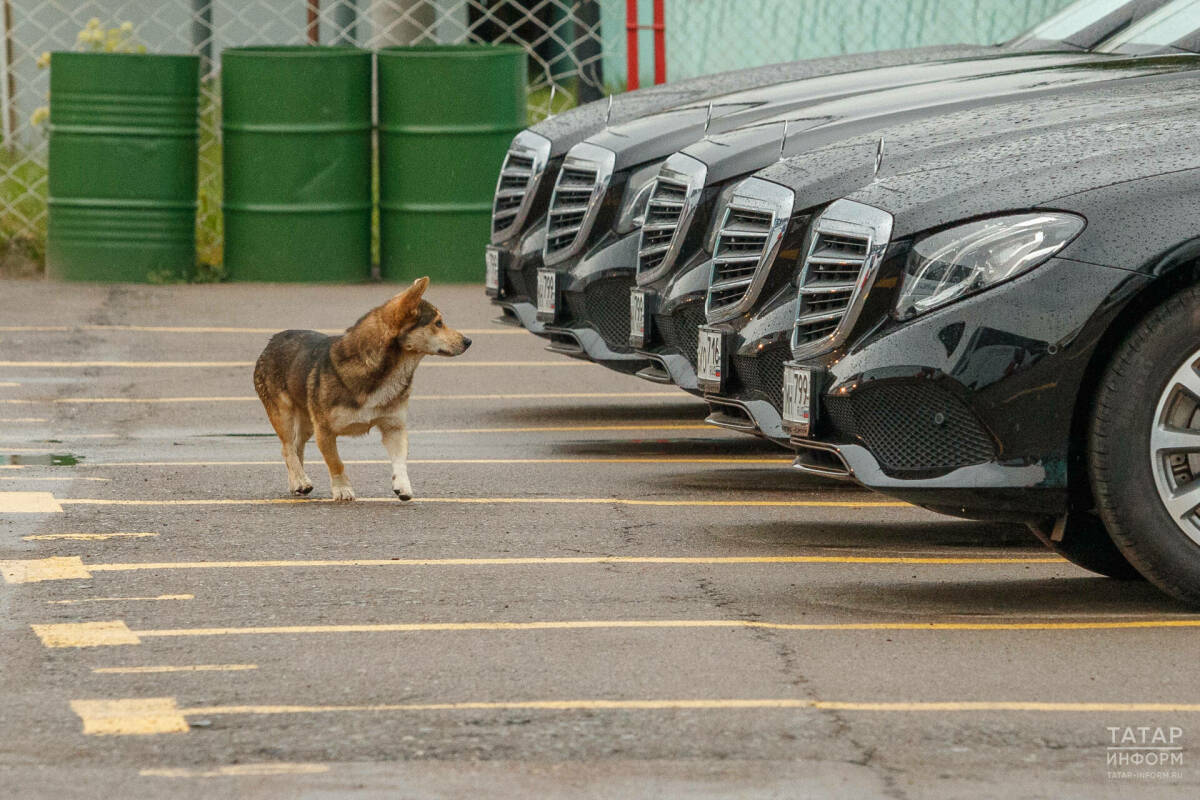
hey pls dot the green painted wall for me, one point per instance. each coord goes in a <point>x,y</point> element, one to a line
<point>706,36</point>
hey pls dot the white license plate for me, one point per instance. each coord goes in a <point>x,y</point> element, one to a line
<point>547,293</point>
<point>798,399</point>
<point>709,359</point>
<point>491,258</point>
<point>637,318</point>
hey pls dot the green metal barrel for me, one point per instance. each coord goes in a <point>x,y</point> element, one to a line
<point>122,185</point>
<point>447,115</point>
<point>297,158</point>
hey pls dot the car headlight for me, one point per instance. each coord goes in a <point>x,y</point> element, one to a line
<point>637,196</point>
<point>966,259</point>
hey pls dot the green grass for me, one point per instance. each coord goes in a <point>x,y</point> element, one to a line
<point>22,216</point>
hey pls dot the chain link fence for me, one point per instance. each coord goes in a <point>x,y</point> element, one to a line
<point>576,53</point>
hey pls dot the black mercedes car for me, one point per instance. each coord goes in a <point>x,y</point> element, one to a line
<point>533,166</point>
<point>1005,327</point>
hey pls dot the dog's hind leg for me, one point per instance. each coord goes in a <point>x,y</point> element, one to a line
<point>395,440</point>
<point>327,442</point>
<point>293,431</point>
<point>293,456</point>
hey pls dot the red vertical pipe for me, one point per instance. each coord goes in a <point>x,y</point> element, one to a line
<point>313,29</point>
<point>660,42</point>
<point>631,44</point>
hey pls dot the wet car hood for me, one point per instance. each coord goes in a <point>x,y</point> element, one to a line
<point>1007,156</point>
<point>571,127</point>
<point>655,136</point>
<point>752,147</point>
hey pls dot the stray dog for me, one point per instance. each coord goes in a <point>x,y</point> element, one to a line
<point>345,385</point>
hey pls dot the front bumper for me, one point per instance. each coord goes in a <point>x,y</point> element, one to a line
<point>970,409</point>
<point>521,259</point>
<point>592,322</point>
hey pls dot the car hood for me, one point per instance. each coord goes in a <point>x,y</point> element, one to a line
<point>571,127</point>
<point>1007,156</point>
<point>755,146</point>
<point>656,135</point>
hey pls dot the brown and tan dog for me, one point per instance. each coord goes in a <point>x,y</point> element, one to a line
<point>345,385</point>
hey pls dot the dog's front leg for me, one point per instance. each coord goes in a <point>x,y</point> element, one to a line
<point>395,441</point>
<point>327,443</point>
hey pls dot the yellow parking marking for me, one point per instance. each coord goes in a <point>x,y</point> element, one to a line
<point>48,478</point>
<point>64,634</point>
<point>247,364</point>
<point>86,634</point>
<point>600,501</point>
<point>207,329</point>
<point>86,537</point>
<point>121,599</point>
<point>235,771</point>
<point>130,717</point>
<point>162,714</point>
<point>63,568</point>
<point>29,503</point>
<point>167,668</point>
<point>787,462</point>
<point>9,384</point>
<point>57,568</point>
<point>437,397</point>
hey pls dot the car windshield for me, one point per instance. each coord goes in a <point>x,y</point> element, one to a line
<point>1157,31</point>
<point>1070,20</point>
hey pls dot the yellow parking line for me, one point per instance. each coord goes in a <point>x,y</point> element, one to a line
<point>570,501</point>
<point>86,537</point>
<point>48,478</point>
<point>165,668</point>
<point>144,716</point>
<point>236,770</point>
<point>120,599</point>
<point>627,460</point>
<point>247,364</point>
<point>8,384</point>
<point>70,567</point>
<point>254,399</point>
<point>29,503</point>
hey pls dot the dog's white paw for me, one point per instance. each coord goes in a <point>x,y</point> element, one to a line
<point>343,493</point>
<point>402,488</point>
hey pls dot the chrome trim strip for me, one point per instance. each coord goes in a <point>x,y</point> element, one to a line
<point>536,148</point>
<point>590,158</point>
<point>848,218</point>
<point>755,195</point>
<point>692,175</point>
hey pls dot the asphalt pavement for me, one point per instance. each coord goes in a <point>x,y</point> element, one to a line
<point>593,595</point>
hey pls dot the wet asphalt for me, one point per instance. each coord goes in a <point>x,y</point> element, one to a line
<point>594,594</point>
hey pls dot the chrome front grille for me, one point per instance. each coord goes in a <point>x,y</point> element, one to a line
<point>846,244</point>
<point>578,193</point>
<point>669,213</point>
<point>752,229</point>
<point>520,176</point>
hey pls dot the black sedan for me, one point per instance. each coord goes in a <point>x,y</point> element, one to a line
<point>1004,328</point>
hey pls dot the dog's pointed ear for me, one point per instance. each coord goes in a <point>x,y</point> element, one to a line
<point>404,306</point>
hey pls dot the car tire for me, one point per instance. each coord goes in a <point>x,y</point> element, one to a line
<point>1144,446</point>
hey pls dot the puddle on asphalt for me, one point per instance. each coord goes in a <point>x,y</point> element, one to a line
<point>44,460</point>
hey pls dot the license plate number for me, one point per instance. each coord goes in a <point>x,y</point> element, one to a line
<point>547,294</point>
<point>710,367</point>
<point>799,399</point>
<point>492,279</point>
<point>639,322</point>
